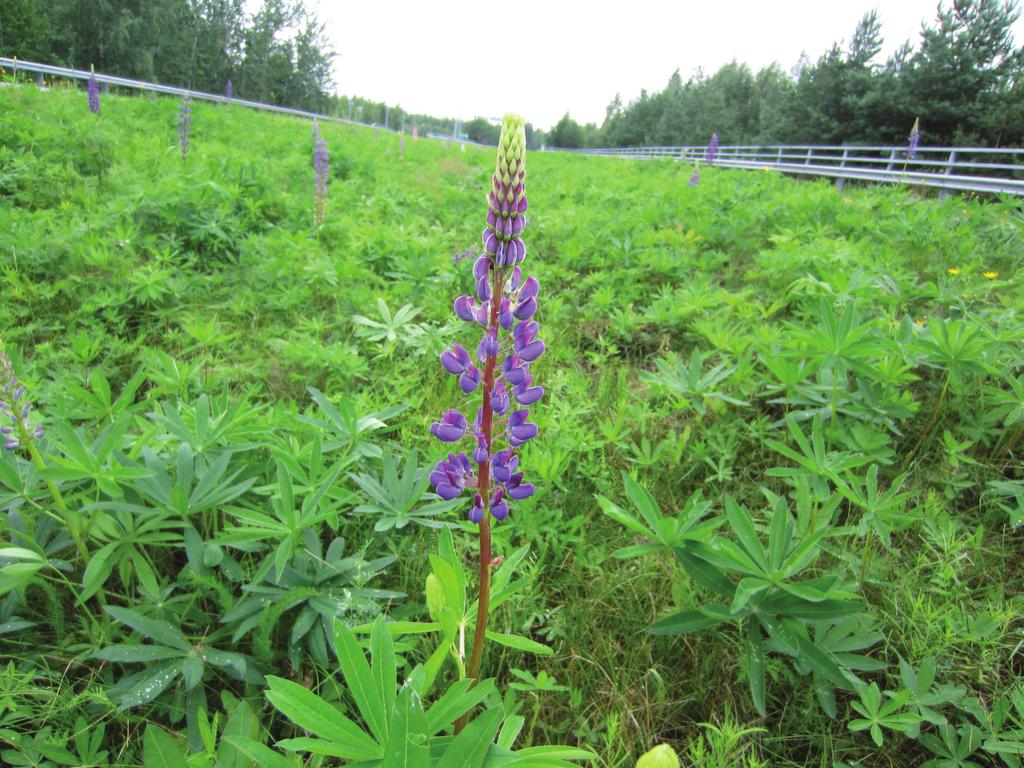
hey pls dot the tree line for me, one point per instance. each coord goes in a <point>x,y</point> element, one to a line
<point>277,54</point>
<point>964,80</point>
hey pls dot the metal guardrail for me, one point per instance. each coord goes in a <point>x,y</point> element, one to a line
<point>17,65</point>
<point>931,167</point>
<point>948,168</point>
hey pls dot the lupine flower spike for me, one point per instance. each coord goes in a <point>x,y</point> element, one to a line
<point>712,150</point>
<point>915,139</point>
<point>315,131</point>
<point>321,178</point>
<point>185,126</point>
<point>695,179</point>
<point>93,89</point>
<point>497,369</point>
<point>15,409</point>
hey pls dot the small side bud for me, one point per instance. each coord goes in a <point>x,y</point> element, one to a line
<point>662,756</point>
<point>436,603</point>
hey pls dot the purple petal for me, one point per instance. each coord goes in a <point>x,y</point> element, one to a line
<point>529,396</point>
<point>521,491</point>
<point>448,492</point>
<point>524,432</point>
<point>532,351</point>
<point>451,362</point>
<point>464,308</point>
<point>483,288</point>
<point>526,309</point>
<point>531,287</point>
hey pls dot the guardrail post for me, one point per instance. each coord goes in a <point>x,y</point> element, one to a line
<point>892,160</point>
<point>810,151</point>
<point>841,180</point>
<point>778,159</point>
<point>949,172</point>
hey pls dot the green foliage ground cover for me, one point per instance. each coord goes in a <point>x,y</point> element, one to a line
<point>782,426</point>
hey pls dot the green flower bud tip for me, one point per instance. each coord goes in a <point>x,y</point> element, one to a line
<point>436,603</point>
<point>662,756</point>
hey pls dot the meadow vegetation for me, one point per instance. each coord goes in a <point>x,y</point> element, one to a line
<point>779,484</point>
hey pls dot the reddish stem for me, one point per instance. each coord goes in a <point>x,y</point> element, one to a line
<point>484,488</point>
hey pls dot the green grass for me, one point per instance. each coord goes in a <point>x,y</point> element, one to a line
<point>126,269</point>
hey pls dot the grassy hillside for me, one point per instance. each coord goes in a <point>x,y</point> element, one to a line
<point>837,370</point>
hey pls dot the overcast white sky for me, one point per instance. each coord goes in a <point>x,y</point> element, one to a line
<point>476,58</point>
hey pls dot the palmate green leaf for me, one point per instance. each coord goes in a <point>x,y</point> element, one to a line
<point>643,501</point>
<point>470,748</point>
<point>128,654</point>
<point>743,527</point>
<point>160,750</point>
<point>822,663</point>
<point>384,666</point>
<point>155,629</point>
<point>244,725</point>
<point>149,685</point>
<point>335,731</point>
<point>785,604</point>
<point>623,518</point>
<point>510,731</point>
<point>755,671</point>
<point>554,751</point>
<point>745,590</point>
<point>694,558</point>
<point>691,621</point>
<point>407,745</point>
<point>460,698</point>
<point>520,643</point>
<point>256,754</point>
<point>362,685</point>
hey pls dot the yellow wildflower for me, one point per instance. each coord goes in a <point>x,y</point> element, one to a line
<point>990,275</point>
<point>953,271</point>
<point>920,322</point>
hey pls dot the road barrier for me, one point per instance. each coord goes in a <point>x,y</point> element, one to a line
<point>966,169</point>
<point>963,169</point>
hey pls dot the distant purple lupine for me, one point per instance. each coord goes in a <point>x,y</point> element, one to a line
<point>695,179</point>
<point>229,89</point>
<point>185,126</point>
<point>915,139</point>
<point>15,408</point>
<point>321,178</point>
<point>93,89</point>
<point>712,150</point>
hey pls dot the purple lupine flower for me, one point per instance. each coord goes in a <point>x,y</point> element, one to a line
<point>504,305</point>
<point>712,151</point>
<point>93,89</point>
<point>915,139</point>
<point>185,126</point>
<point>15,408</point>
<point>314,131</point>
<point>321,178</point>
<point>695,179</point>
<point>229,90</point>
